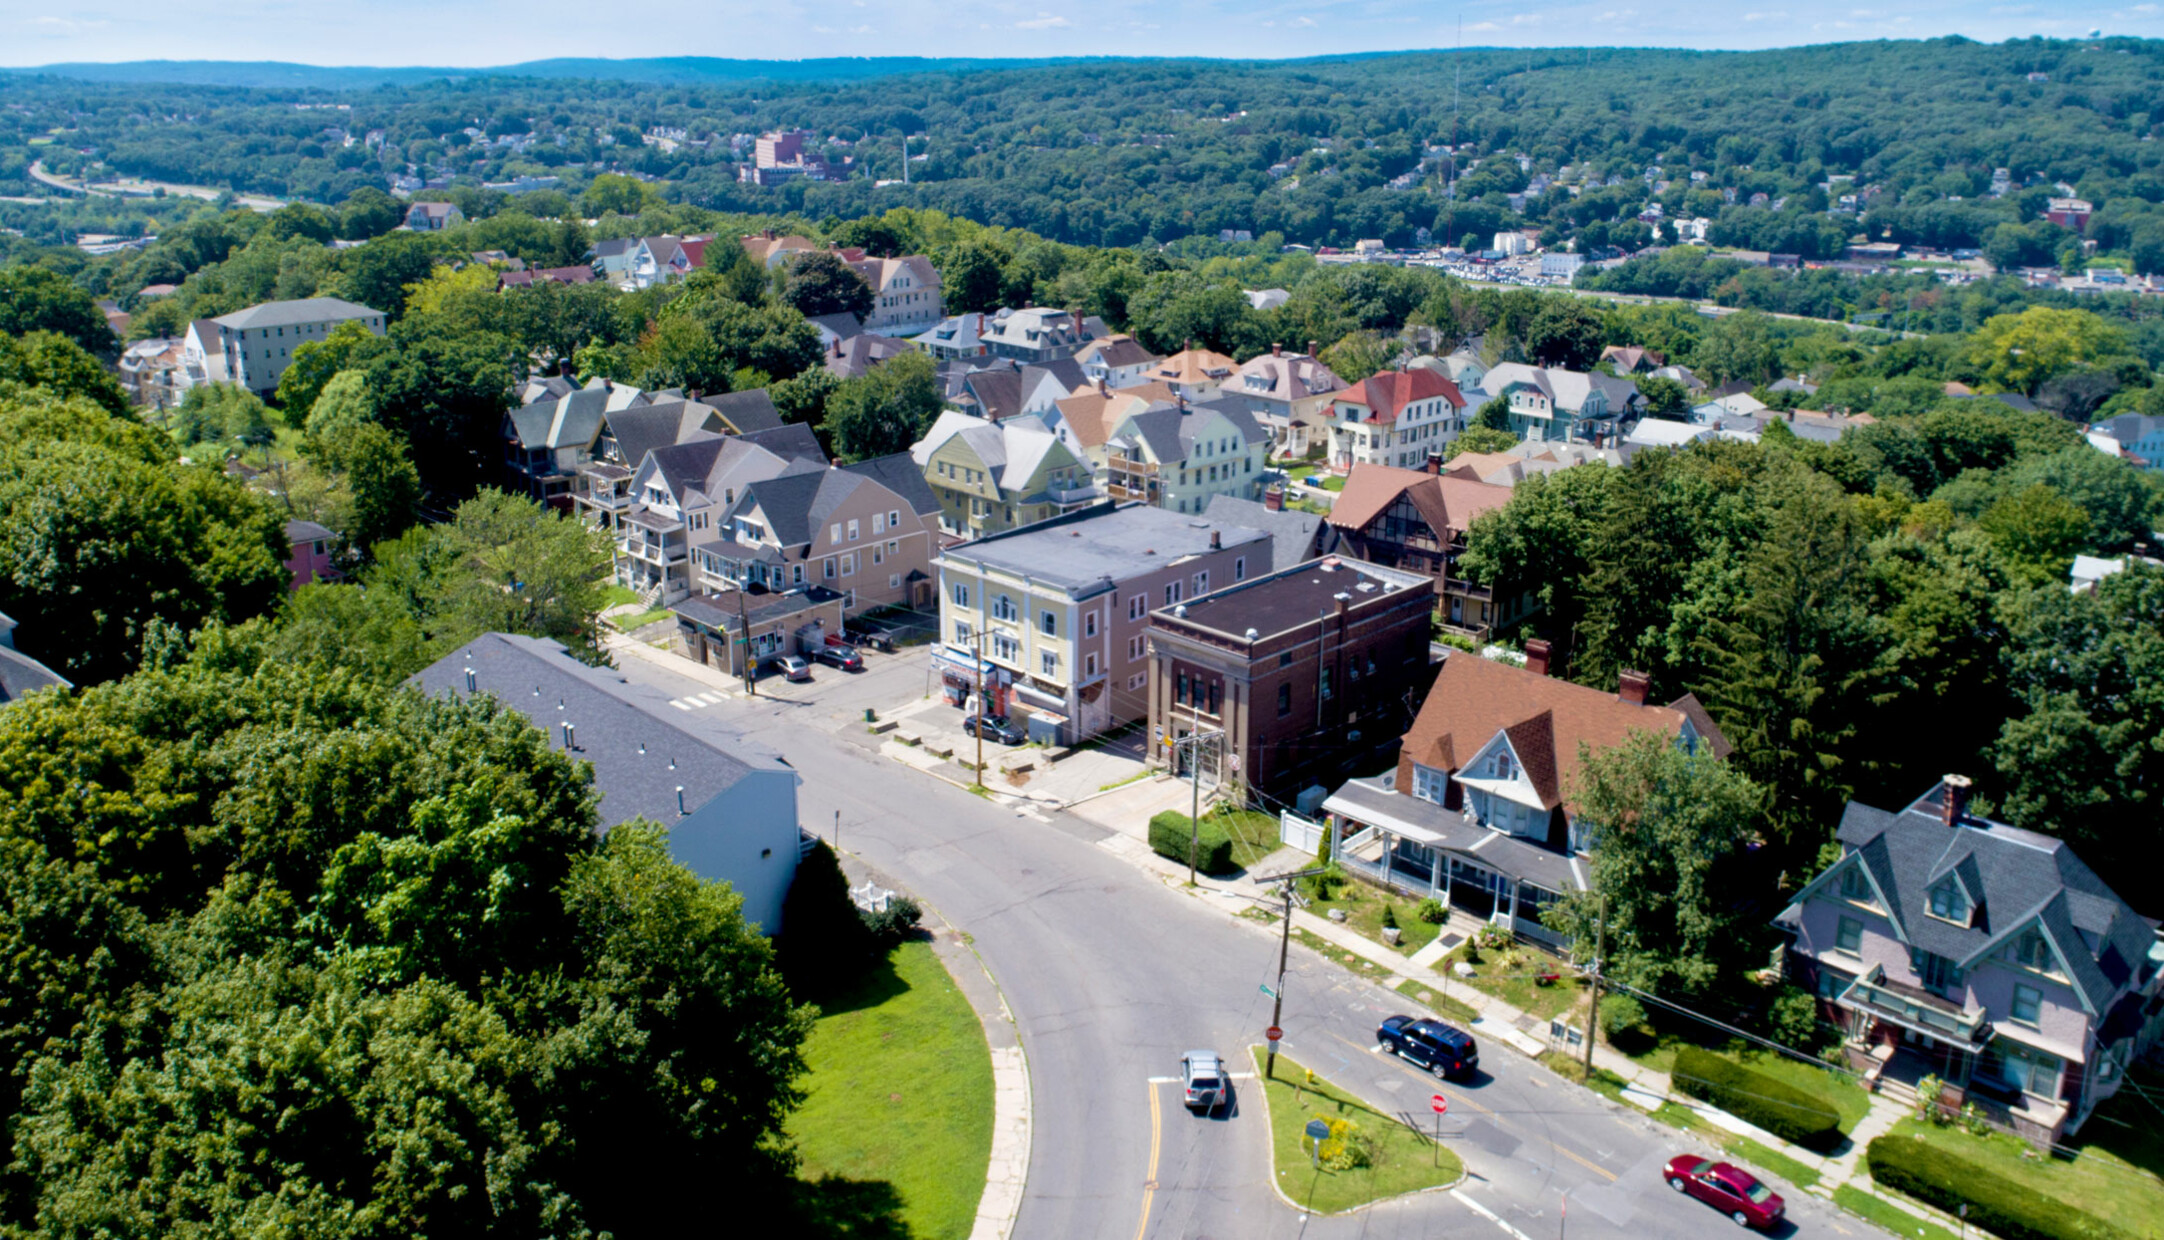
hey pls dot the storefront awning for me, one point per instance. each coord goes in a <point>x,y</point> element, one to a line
<point>951,659</point>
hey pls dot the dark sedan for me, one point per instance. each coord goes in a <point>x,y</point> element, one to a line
<point>994,728</point>
<point>1729,1189</point>
<point>843,657</point>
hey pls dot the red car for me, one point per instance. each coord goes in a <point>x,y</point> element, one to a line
<point>1731,1190</point>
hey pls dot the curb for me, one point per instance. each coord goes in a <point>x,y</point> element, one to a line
<point>1464,1172</point>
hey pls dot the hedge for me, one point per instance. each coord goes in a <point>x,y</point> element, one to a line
<point>1170,835</point>
<point>1776,1106</point>
<point>2013,1211</point>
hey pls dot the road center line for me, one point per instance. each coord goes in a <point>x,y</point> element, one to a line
<point>1149,1182</point>
<point>1486,1213</point>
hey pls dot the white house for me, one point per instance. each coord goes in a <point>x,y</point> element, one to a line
<point>729,807</point>
<point>253,347</point>
<point>1398,418</point>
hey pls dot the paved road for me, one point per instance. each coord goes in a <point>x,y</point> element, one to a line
<point>1111,974</point>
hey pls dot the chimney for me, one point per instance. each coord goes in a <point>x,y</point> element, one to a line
<point>469,680</point>
<point>1314,347</point>
<point>1276,349</point>
<point>1342,599</point>
<point>1102,390</point>
<point>1217,541</point>
<point>1536,657</point>
<point>1273,498</point>
<point>1954,803</point>
<point>1187,345</point>
<point>1435,462</point>
<point>1631,687</point>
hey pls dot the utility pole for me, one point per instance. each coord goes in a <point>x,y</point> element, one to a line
<point>1284,950</point>
<point>1194,799</point>
<point>1600,945</point>
<point>751,683</point>
<point>976,658</point>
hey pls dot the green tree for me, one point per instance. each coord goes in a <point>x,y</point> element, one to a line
<point>385,486</point>
<point>54,362</point>
<point>342,405</point>
<point>33,299</point>
<point>1668,828</point>
<point>376,275</point>
<point>1739,347</point>
<point>506,564</point>
<point>1565,333</point>
<point>1494,415</point>
<point>1358,355</point>
<point>2018,352</point>
<point>1664,397</point>
<point>222,413</point>
<point>348,346</point>
<point>819,283</point>
<point>1481,439</point>
<point>614,194</point>
<point>883,411</point>
<point>2037,532</point>
<point>367,213</point>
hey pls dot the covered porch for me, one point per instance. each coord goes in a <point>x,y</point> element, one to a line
<point>1425,851</point>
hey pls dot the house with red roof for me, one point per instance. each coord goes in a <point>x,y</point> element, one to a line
<point>1398,418</point>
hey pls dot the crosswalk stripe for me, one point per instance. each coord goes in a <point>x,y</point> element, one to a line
<point>678,704</point>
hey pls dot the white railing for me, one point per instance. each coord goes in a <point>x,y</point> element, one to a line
<point>1293,831</point>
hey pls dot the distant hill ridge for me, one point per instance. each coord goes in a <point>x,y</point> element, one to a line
<point>271,74</point>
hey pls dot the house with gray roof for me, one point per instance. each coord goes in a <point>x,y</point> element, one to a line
<point>19,673</point>
<point>992,476</point>
<point>679,493</point>
<point>1946,944</point>
<point>728,805</point>
<point>1048,623</point>
<point>1182,456</point>
<point>1295,537</point>
<point>841,528</point>
<point>253,347</point>
<point>1552,405</point>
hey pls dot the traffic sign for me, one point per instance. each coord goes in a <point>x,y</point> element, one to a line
<point>1266,990</point>
<point>1440,1104</point>
<point>1319,1129</point>
<point>1273,1033</point>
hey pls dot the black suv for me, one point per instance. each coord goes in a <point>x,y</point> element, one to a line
<point>1440,1048</point>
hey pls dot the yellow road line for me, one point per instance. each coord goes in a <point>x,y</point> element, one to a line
<point>1588,1164</point>
<point>1149,1182</point>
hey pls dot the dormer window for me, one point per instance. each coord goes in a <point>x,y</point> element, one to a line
<point>1950,902</point>
<point>2030,951</point>
<point>1854,886</point>
<point>1504,768</point>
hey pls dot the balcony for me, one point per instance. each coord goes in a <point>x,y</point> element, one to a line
<point>1916,1009</point>
<point>1467,589</point>
<point>653,552</point>
<point>1076,497</point>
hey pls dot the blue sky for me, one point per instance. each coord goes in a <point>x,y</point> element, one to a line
<point>492,32</point>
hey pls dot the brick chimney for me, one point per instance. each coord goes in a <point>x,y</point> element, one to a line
<point>1314,347</point>
<point>1217,541</point>
<point>1631,687</point>
<point>1954,799</point>
<point>1435,463</point>
<point>1273,498</point>
<point>1536,657</point>
<point>1276,349</point>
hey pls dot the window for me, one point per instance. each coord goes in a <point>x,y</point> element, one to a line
<point>1849,937</point>
<point>961,595</point>
<point>1504,767</point>
<point>2028,1004</point>
<point>1172,593</point>
<point>1239,569</point>
<point>1003,608</point>
<point>834,532</point>
<point>1430,784</point>
<point>2030,951</point>
<point>849,565</point>
<point>796,574</point>
<point>1048,623</point>
<point>1089,665</point>
<point>1006,648</point>
<point>852,529</point>
<point>879,554</point>
<point>1135,648</point>
<point>1950,902</point>
<point>1179,694</point>
<point>879,523</point>
<point>2031,1071</point>
<point>1050,663</point>
<point>1938,973</point>
<point>1326,684</point>
<point>894,519</point>
<point>1202,582</point>
<point>1089,623</point>
<point>1284,700</point>
<point>1138,680</point>
<point>1216,694</point>
<point>962,632</point>
<point>829,562</point>
<point>1854,886</point>
<point>894,581</point>
<point>1284,659</point>
<point>1138,606</point>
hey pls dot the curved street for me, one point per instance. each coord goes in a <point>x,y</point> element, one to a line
<point>1111,973</point>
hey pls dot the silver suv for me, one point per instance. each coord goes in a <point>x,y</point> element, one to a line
<point>1203,1076</point>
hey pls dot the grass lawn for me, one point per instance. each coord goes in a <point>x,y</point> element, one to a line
<point>2128,1128</point>
<point>2101,1184</point>
<point>633,622</point>
<point>1333,482</point>
<point>1331,951</point>
<point>1893,1219</point>
<point>1364,904</point>
<point>1441,1004</point>
<point>1759,1158</point>
<point>900,1092</point>
<point>616,594</point>
<point>1841,1092</point>
<point>1254,834</point>
<point>1509,974</point>
<point>1572,1068</point>
<point>1403,1161</point>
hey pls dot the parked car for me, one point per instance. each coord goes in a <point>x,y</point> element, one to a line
<point>994,727</point>
<point>1442,1049</point>
<point>1202,1075</point>
<point>843,657</point>
<point>791,667</point>
<point>1729,1189</point>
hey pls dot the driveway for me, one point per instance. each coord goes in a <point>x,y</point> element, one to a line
<point>1111,973</point>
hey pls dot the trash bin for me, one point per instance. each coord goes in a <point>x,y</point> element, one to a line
<point>868,715</point>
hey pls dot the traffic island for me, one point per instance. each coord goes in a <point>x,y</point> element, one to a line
<point>1369,1157</point>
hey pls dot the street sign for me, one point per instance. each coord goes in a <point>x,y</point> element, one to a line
<point>1319,1129</point>
<point>1440,1104</point>
<point>1273,1033</point>
<point>1266,990</point>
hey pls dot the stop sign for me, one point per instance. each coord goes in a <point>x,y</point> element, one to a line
<point>1439,1103</point>
<point>1273,1033</point>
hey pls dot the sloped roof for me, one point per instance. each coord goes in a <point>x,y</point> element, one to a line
<point>1546,719</point>
<point>2019,878</point>
<point>1448,502</point>
<point>644,428</point>
<point>848,359</point>
<point>901,475</point>
<point>1116,352</point>
<point>998,391</point>
<point>289,313</point>
<point>1388,392</point>
<point>790,441</point>
<point>1287,377</point>
<point>1566,389</point>
<point>1296,537</point>
<point>1192,366</point>
<point>569,420</point>
<point>751,410</point>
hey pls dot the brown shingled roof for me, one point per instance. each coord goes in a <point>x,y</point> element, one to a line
<point>1546,719</point>
<point>1447,503</point>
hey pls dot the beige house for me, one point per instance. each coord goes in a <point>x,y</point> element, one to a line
<point>1291,395</point>
<point>1194,373</point>
<point>905,295</point>
<point>1116,361</point>
<point>992,476</point>
<point>1052,620</point>
<point>842,528</point>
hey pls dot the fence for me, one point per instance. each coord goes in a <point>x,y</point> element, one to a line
<point>1293,831</point>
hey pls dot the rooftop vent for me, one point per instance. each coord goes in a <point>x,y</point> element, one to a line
<point>1252,635</point>
<point>1180,611</point>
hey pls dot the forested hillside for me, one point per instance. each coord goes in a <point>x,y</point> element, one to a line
<point>1117,152</point>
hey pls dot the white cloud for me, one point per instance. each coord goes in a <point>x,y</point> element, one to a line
<point>2143,9</point>
<point>1302,21</point>
<point>1483,26</point>
<point>1045,21</point>
<point>1617,15</point>
<point>1774,16</point>
<point>1528,19</point>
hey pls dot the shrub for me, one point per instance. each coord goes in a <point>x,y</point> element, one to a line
<point>1620,1014</point>
<point>1793,1021</point>
<point>1346,1148</point>
<point>898,921</point>
<point>1171,833</point>
<point>1431,911</point>
<point>1939,1178</point>
<point>1776,1106</point>
<point>1390,917</point>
